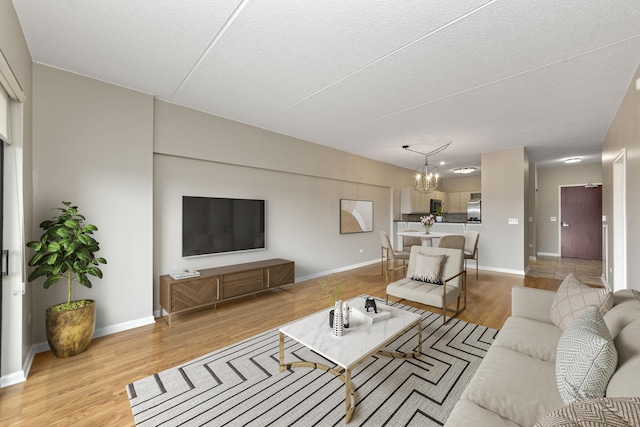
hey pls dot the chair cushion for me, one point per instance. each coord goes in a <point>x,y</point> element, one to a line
<point>586,358</point>
<point>574,298</point>
<point>429,268</point>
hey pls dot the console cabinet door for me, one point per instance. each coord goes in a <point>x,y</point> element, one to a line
<point>279,275</point>
<point>193,293</point>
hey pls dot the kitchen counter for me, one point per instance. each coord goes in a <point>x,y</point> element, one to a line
<point>438,227</point>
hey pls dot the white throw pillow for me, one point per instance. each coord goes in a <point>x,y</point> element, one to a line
<point>586,358</point>
<point>574,297</point>
<point>429,268</point>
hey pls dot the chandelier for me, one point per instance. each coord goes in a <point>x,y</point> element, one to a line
<point>426,177</point>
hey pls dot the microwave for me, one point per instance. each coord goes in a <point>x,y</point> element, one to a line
<point>435,205</point>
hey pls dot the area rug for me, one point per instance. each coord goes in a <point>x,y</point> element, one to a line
<point>241,385</point>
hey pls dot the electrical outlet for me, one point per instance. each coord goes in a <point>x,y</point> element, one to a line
<point>513,221</point>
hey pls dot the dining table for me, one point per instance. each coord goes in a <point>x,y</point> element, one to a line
<point>427,238</point>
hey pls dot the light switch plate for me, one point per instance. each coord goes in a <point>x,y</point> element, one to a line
<point>553,219</point>
<point>513,221</point>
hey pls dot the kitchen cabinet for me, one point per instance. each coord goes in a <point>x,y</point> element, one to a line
<point>413,201</point>
<point>457,202</point>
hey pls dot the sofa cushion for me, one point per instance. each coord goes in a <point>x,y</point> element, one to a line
<point>429,268</point>
<point>531,337</point>
<point>465,410</point>
<point>515,386</point>
<point>622,411</point>
<point>626,309</point>
<point>586,358</point>
<point>626,379</point>
<point>574,297</point>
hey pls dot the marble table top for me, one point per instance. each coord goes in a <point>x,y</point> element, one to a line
<point>360,340</point>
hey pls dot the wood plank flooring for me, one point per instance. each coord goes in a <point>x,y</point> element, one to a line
<point>89,389</point>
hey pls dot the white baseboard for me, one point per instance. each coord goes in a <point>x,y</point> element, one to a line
<point>107,330</point>
<point>20,376</point>
<point>548,254</point>
<point>338,270</point>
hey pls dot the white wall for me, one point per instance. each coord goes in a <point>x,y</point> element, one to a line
<point>624,133</point>
<point>505,182</point>
<point>93,146</point>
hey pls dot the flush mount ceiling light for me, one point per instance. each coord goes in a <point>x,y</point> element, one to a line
<point>465,170</point>
<point>426,178</point>
<point>573,160</point>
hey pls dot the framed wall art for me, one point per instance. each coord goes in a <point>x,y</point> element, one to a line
<point>356,216</point>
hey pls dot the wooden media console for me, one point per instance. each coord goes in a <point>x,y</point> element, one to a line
<point>219,284</point>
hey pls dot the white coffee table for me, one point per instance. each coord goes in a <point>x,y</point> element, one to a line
<point>360,341</point>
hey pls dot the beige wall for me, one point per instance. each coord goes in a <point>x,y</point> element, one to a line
<point>505,179</point>
<point>202,155</point>
<point>16,309</point>
<point>463,183</point>
<point>549,182</point>
<point>624,134</point>
<point>93,146</point>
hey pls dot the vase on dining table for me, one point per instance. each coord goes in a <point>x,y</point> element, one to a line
<point>426,229</point>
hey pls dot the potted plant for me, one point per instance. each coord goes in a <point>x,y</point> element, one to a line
<point>439,212</point>
<point>334,287</point>
<point>66,250</point>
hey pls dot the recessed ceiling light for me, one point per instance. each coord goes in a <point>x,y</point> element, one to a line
<point>442,163</point>
<point>467,169</point>
<point>573,160</point>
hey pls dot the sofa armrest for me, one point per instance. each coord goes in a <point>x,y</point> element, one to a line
<point>532,303</point>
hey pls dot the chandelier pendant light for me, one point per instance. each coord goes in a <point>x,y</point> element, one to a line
<point>426,178</point>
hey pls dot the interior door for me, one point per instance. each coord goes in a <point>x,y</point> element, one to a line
<point>581,224</point>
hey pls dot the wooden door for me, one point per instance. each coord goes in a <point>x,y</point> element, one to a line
<point>581,222</point>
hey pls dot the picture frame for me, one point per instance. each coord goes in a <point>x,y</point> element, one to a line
<point>356,216</point>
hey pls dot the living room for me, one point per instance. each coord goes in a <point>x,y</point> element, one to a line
<point>127,158</point>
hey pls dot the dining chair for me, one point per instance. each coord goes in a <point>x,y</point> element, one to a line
<point>471,248</point>
<point>389,256</point>
<point>407,242</point>
<point>453,241</point>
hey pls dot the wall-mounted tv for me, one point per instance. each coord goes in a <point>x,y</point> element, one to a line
<point>214,225</point>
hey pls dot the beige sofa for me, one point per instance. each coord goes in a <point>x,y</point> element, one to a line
<point>515,385</point>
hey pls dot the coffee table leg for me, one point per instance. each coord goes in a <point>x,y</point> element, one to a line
<point>282,365</point>
<point>399,355</point>
<point>349,398</point>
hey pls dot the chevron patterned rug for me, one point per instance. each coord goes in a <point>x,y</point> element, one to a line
<point>241,385</point>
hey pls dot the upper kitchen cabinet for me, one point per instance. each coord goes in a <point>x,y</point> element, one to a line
<point>412,201</point>
<point>457,202</point>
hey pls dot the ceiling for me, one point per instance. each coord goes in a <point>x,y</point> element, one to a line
<point>366,77</point>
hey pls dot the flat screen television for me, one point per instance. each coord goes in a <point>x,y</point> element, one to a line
<point>214,225</point>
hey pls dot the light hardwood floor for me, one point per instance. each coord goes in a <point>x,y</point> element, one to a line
<point>89,389</point>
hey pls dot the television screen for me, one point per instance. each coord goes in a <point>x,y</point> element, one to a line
<point>213,225</point>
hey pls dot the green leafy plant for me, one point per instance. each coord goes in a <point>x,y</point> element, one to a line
<point>439,209</point>
<point>66,250</point>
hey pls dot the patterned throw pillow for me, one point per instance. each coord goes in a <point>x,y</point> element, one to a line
<point>606,411</point>
<point>586,358</point>
<point>574,297</point>
<point>429,268</point>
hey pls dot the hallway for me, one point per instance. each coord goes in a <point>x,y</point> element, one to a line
<point>588,271</point>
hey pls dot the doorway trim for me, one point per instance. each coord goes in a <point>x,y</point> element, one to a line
<point>559,218</point>
<point>619,222</point>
